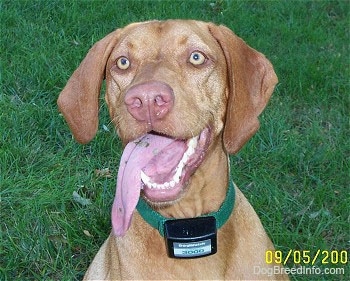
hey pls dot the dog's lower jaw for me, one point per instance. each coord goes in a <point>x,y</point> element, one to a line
<point>171,168</point>
<point>204,194</point>
<point>157,205</point>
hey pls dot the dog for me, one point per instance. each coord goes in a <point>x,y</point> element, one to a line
<point>183,95</point>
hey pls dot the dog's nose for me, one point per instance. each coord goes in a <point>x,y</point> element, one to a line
<point>149,101</point>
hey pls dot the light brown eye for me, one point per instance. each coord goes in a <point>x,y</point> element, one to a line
<point>123,63</point>
<point>197,58</point>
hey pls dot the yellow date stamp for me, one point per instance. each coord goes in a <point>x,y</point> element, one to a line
<point>307,257</point>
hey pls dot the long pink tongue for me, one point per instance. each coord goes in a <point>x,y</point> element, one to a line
<point>135,156</point>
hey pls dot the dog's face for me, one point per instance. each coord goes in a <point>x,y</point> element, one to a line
<point>175,91</point>
<point>184,64</point>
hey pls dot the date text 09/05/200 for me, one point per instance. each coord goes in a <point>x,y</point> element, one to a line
<point>307,257</point>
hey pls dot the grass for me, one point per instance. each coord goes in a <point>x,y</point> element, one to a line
<point>295,171</point>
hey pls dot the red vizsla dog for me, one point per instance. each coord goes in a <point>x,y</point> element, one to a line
<point>182,95</point>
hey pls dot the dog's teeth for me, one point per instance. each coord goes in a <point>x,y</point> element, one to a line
<point>177,175</point>
<point>184,158</point>
<point>193,142</point>
<point>146,179</point>
<point>191,148</point>
<point>190,151</point>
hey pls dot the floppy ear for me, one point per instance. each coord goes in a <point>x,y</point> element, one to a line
<point>78,101</point>
<point>251,83</point>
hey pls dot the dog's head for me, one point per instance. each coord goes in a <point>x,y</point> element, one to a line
<point>174,90</point>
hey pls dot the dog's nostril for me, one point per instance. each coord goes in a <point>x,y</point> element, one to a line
<point>159,100</point>
<point>137,102</point>
<point>134,103</point>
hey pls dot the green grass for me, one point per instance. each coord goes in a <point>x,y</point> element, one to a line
<point>295,171</point>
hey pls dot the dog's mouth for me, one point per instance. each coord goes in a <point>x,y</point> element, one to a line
<point>166,174</point>
<point>160,166</point>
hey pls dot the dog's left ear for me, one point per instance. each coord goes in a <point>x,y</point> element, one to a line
<point>251,83</point>
<point>78,101</point>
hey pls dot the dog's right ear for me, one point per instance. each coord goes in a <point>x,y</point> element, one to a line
<point>78,101</point>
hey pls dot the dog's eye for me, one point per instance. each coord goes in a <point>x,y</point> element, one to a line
<point>197,58</point>
<point>123,63</point>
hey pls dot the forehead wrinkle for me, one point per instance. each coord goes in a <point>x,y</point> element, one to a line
<point>137,47</point>
<point>156,39</point>
<point>190,36</point>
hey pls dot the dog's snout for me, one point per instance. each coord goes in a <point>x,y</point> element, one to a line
<point>149,101</point>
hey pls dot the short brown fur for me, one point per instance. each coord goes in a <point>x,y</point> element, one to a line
<point>227,93</point>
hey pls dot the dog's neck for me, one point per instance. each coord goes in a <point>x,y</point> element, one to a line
<point>206,191</point>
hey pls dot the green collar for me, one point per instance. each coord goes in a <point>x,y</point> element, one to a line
<point>157,221</point>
